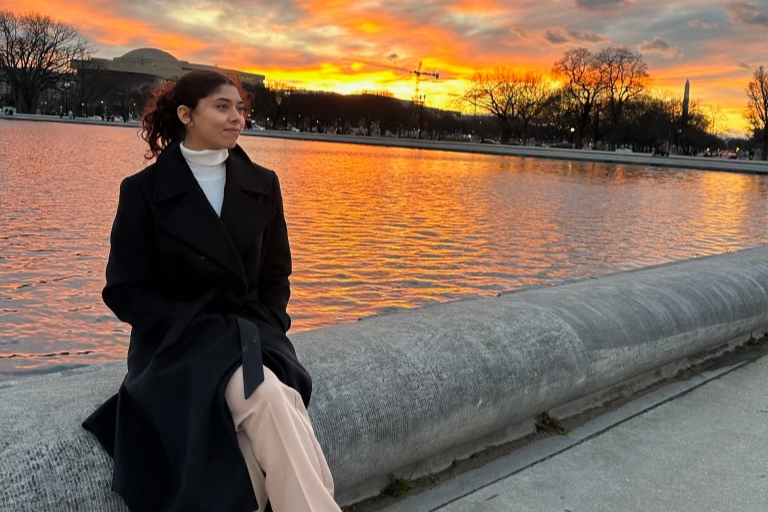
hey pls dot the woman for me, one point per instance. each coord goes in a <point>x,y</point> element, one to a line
<point>212,414</point>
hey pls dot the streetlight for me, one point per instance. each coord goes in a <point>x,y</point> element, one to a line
<point>597,123</point>
<point>66,97</point>
<point>422,97</point>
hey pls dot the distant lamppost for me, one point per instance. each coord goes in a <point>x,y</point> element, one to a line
<point>287,107</point>
<point>422,97</point>
<point>572,130</point>
<point>66,97</point>
<point>597,123</point>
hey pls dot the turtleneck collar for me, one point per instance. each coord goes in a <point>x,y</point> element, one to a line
<point>204,157</point>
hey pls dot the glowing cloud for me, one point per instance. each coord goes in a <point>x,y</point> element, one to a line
<point>302,41</point>
<point>748,14</point>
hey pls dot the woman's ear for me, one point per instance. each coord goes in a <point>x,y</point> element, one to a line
<point>185,115</point>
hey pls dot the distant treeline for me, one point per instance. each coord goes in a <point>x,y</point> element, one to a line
<point>603,99</point>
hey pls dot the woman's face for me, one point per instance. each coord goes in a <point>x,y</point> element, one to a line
<point>216,121</point>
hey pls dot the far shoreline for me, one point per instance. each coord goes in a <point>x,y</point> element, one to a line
<point>580,155</point>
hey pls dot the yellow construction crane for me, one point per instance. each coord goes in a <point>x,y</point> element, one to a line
<point>418,73</point>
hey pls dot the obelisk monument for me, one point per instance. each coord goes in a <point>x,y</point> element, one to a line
<point>686,102</point>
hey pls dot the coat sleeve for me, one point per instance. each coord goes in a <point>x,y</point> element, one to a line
<point>273,283</point>
<point>132,290</point>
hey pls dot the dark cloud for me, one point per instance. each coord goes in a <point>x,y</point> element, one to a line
<point>520,32</point>
<point>600,5</point>
<point>559,35</point>
<point>555,37</point>
<point>743,65</point>
<point>660,47</point>
<point>748,14</point>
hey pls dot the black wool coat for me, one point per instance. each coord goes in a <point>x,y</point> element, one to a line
<point>203,294</point>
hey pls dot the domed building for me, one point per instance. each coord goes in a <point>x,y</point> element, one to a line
<point>119,86</point>
<point>148,54</point>
<point>153,65</point>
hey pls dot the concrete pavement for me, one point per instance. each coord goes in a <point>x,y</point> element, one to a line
<point>694,446</point>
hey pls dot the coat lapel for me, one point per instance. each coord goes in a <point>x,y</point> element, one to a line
<point>244,213</point>
<point>193,221</point>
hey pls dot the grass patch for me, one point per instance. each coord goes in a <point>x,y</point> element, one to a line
<point>549,424</point>
<point>398,487</point>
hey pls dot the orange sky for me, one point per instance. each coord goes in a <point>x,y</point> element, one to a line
<point>714,44</point>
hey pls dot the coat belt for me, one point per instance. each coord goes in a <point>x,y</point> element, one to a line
<point>250,347</point>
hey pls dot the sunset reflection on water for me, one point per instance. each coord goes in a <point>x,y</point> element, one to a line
<point>372,229</point>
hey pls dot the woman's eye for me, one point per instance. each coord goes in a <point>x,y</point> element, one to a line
<point>222,107</point>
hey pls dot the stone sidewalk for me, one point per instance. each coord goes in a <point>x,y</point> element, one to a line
<point>694,446</point>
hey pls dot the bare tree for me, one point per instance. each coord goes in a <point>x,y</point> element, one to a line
<point>93,81</point>
<point>275,104</point>
<point>35,51</point>
<point>531,98</point>
<point>757,106</point>
<point>379,106</point>
<point>623,76</point>
<point>558,116</point>
<point>582,82</point>
<point>714,120</point>
<point>496,92</point>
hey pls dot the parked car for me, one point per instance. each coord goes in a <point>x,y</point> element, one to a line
<point>563,144</point>
<point>624,150</point>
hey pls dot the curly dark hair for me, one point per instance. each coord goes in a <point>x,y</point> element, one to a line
<point>161,125</point>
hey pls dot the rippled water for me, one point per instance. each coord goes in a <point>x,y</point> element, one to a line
<point>372,229</point>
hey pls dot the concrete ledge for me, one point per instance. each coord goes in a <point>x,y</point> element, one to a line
<point>408,392</point>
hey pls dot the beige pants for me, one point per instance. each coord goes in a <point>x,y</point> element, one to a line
<point>284,459</point>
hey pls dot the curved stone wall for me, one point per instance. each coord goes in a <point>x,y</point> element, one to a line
<point>408,392</point>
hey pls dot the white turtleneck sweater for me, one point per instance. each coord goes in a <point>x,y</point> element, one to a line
<point>210,172</point>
